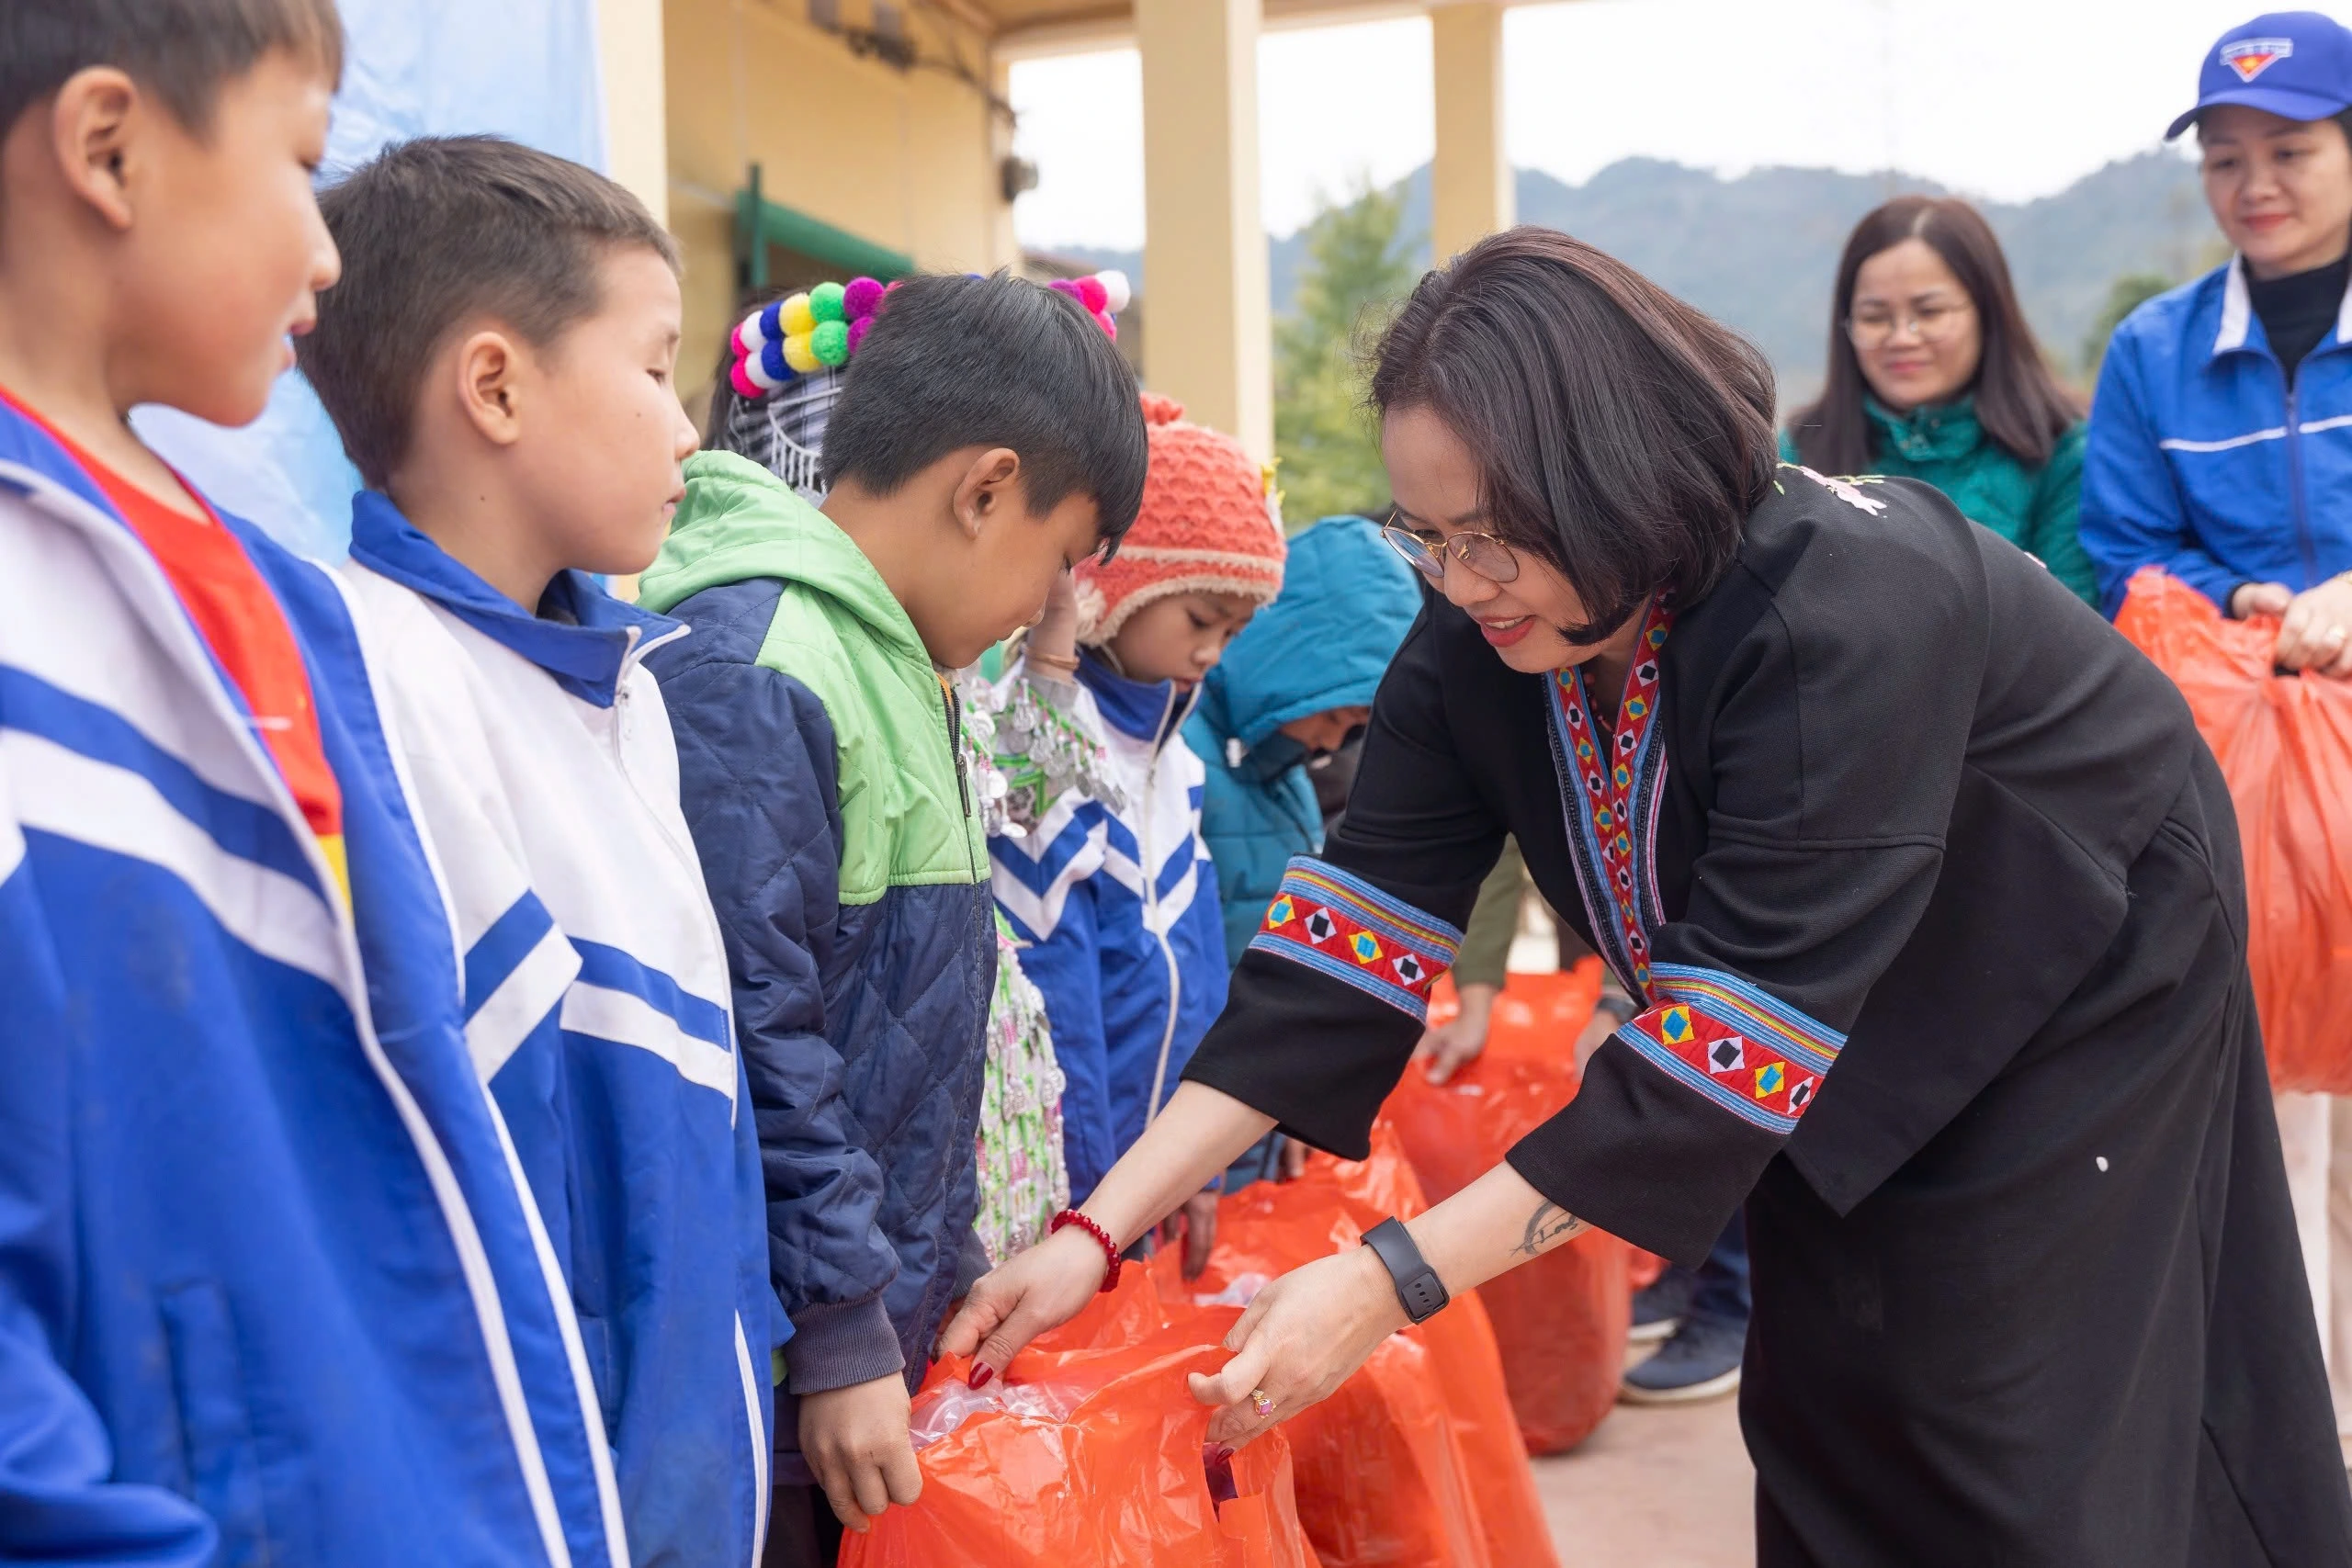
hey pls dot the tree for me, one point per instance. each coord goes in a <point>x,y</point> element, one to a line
<point>2125,295</point>
<point>1358,271</point>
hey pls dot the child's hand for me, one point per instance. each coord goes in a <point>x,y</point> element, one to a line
<point>1053,639</point>
<point>1449,1047</point>
<point>1294,1159</point>
<point>1196,1223</point>
<point>1023,1297</point>
<point>856,1441</point>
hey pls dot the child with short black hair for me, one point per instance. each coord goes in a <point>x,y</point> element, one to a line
<point>270,1287</point>
<point>498,360</point>
<point>986,438</point>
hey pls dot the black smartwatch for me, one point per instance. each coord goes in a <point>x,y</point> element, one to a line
<point>1417,1286</point>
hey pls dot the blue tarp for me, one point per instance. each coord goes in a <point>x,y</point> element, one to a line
<point>521,68</point>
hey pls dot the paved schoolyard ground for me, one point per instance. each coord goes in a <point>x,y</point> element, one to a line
<point>1654,1488</point>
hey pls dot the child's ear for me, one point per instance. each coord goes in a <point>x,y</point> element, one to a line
<point>488,371</point>
<point>94,128</point>
<point>989,489</point>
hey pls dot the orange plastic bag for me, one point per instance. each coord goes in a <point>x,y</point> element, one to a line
<point>1088,1457</point>
<point>1560,1322</point>
<point>1417,1459</point>
<point>2285,745</point>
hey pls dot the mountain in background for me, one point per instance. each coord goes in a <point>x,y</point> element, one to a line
<point>1760,251</point>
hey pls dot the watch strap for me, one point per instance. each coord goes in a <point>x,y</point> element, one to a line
<point>1418,1287</point>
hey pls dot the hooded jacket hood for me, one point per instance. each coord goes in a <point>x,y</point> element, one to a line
<point>739,520</point>
<point>1346,604</point>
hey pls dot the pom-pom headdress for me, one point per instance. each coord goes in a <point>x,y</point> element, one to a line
<point>786,376</point>
<point>1104,295</point>
<point>786,364</point>
<point>801,334</point>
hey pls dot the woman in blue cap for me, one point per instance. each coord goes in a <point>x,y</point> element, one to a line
<point>2221,450</point>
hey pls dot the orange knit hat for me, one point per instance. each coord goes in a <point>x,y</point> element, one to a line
<point>1211,523</point>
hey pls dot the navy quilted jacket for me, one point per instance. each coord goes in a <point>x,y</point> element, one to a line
<point>817,775</point>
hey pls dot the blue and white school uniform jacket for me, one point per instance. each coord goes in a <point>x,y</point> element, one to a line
<point>1120,917</point>
<point>2203,458</point>
<point>272,1288</point>
<point>596,998</point>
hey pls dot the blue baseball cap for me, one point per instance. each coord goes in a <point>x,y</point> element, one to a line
<point>2297,64</point>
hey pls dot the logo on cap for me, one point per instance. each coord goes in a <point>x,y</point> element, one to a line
<point>2250,57</point>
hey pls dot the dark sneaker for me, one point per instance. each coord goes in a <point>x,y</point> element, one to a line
<point>1700,1361</point>
<point>1658,1307</point>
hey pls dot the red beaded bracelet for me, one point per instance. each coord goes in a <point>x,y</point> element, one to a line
<point>1110,1247</point>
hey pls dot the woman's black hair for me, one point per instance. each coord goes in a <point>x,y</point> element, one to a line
<point>1620,434</point>
<point>2019,404</point>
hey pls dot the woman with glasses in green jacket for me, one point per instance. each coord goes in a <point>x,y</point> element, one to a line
<point>1935,376</point>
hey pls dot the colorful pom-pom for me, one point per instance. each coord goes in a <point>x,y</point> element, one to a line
<point>825,302</point>
<point>858,331</point>
<point>772,364</point>
<point>830,343</point>
<point>795,317</point>
<point>859,297</point>
<point>740,378</point>
<point>1062,286</point>
<point>1110,328</point>
<point>1092,295</point>
<point>799,355</point>
<point>1117,294</point>
<point>770,330</point>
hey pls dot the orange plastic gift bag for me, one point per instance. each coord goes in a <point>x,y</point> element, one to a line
<point>2285,745</point>
<point>1560,1322</point>
<point>1091,1456</point>
<point>1417,1459</point>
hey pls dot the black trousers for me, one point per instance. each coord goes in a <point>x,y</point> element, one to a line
<point>803,1531</point>
<point>2073,1330</point>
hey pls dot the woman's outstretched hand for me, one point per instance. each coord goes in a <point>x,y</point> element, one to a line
<point>1023,1297</point>
<point>1299,1340</point>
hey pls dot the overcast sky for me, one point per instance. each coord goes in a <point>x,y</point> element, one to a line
<point>2003,99</point>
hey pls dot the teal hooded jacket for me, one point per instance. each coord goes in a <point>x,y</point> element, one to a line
<point>1346,604</point>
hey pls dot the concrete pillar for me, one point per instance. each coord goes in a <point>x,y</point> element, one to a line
<point>637,140</point>
<point>1004,245</point>
<point>1205,245</point>
<point>1470,178</point>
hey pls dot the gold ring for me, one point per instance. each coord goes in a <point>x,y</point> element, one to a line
<point>1261,1402</point>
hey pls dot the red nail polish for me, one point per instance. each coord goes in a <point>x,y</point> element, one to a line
<point>980,1376</point>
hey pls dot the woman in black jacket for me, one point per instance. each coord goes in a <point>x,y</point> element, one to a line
<point>1931,899</point>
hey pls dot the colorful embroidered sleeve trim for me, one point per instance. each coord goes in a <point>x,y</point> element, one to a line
<point>1350,931</point>
<point>1748,1051</point>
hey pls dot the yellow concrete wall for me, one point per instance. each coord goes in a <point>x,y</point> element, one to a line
<point>629,47</point>
<point>907,160</point>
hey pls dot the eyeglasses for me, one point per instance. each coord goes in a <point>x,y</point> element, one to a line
<point>1933,320</point>
<point>1482,553</point>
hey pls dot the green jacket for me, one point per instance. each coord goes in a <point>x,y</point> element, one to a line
<point>2034,509</point>
<point>837,630</point>
<point>819,775</point>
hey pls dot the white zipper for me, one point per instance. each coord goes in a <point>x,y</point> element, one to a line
<point>1151,903</point>
<point>138,574</point>
<point>684,853</point>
